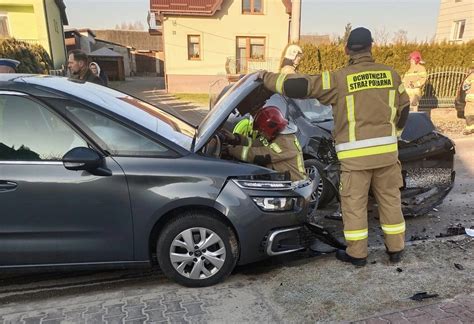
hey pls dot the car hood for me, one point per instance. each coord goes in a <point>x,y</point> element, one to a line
<point>246,95</point>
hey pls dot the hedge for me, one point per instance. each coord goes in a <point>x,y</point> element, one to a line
<point>33,58</point>
<point>318,58</point>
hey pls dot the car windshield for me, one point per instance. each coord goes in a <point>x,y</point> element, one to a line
<point>138,111</point>
<point>314,110</point>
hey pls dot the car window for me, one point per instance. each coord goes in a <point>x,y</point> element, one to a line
<point>314,110</point>
<point>31,132</point>
<point>116,138</point>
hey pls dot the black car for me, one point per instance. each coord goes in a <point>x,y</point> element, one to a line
<point>92,177</point>
<point>427,156</point>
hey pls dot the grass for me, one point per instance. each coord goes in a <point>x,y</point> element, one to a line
<point>200,99</point>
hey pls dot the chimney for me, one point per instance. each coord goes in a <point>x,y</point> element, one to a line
<point>295,21</point>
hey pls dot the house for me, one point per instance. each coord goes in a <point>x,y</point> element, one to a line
<point>124,51</point>
<point>36,22</point>
<point>147,49</point>
<point>207,40</point>
<point>455,21</point>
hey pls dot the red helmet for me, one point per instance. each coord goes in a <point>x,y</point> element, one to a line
<point>416,56</point>
<point>269,121</point>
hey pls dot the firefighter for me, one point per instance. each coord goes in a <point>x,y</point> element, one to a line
<point>275,147</point>
<point>291,60</point>
<point>370,107</point>
<point>465,102</point>
<point>414,79</point>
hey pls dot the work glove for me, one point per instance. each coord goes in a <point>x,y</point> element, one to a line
<point>228,137</point>
<point>261,74</point>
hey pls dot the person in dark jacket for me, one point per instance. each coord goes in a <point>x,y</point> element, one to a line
<point>79,68</point>
<point>95,68</point>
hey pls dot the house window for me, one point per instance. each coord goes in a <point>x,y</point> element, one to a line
<point>194,47</point>
<point>252,7</point>
<point>249,49</point>
<point>4,32</point>
<point>458,29</point>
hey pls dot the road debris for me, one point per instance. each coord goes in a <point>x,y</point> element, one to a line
<point>399,270</point>
<point>454,230</point>
<point>469,231</point>
<point>459,266</point>
<point>423,295</point>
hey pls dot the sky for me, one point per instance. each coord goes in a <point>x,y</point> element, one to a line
<point>417,17</point>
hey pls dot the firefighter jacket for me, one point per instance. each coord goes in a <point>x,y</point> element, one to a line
<point>415,77</point>
<point>288,69</point>
<point>465,97</point>
<point>367,100</point>
<point>283,154</point>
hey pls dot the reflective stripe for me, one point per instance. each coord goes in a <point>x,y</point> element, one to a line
<point>299,157</point>
<point>391,103</point>
<point>275,148</point>
<point>366,143</point>
<point>356,235</point>
<point>326,80</point>
<point>297,143</point>
<point>401,88</point>
<point>367,151</point>
<point>394,229</point>
<point>279,83</point>
<point>351,117</point>
<point>245,150</point>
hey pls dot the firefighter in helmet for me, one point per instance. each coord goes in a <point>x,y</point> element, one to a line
<point>291,60</point>
<point>275,146</point>
<point>414,79</point>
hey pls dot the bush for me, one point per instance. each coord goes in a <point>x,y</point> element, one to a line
<point>33,58</point>
<point>332,56</point>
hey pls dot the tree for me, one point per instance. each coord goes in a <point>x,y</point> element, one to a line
<point>137,25</point>
<point>347,31</point>
<point>400,37</point>
<point>381,36</point>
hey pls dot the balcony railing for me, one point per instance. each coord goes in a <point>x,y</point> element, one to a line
<point>246,65</point>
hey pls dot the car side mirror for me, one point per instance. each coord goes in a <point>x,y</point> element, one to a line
<point>83,158</point>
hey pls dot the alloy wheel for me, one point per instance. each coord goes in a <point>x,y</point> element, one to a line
<point>197,253</point>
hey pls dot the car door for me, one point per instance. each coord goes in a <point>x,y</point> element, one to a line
<point>50,215</point>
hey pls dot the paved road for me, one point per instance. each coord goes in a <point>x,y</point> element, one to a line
<point>296,288</point>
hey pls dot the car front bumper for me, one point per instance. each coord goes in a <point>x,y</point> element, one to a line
<point>261,233</point>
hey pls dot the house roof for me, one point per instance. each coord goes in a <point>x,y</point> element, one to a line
<point>194,7</point>
<point>141,40</point>
<point>104,52</point>
<point>62,11</point>
<point>186,7</point>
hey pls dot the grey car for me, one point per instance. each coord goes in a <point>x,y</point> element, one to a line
<point>92,177</point>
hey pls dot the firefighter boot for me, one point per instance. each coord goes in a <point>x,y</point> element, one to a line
<point>395,257</point>
<point>341,255</point>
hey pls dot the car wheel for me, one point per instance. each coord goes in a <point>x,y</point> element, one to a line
<point>197,250</point>
<point>324,189</point>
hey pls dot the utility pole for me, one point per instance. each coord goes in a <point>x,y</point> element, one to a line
<point>295,21</point>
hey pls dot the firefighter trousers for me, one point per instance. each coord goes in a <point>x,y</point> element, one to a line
<point>385,183</point>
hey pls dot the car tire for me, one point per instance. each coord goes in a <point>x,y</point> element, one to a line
<point>200,265</point>
<point>324,188</point>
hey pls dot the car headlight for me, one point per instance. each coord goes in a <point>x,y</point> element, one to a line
<point>264,185</point>
<point>275,203</point>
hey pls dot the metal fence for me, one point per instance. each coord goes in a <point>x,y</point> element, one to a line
<point>442,86</point>
<point>60,72</point>
<point>244,65</point>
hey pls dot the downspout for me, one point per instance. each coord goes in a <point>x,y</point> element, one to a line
<point>295,21</point>
<point>49,35</point>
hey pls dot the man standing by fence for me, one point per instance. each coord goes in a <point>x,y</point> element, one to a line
<point>414,79</point>
<point>465,102</point>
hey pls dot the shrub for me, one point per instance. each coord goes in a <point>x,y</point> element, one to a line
<point>33,58</point>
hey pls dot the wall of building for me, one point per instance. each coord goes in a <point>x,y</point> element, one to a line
<point>56,34</point>
<point>124,51</point>
<point>451,11</point>
<point>27,21</point>
<point>218,40</point>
